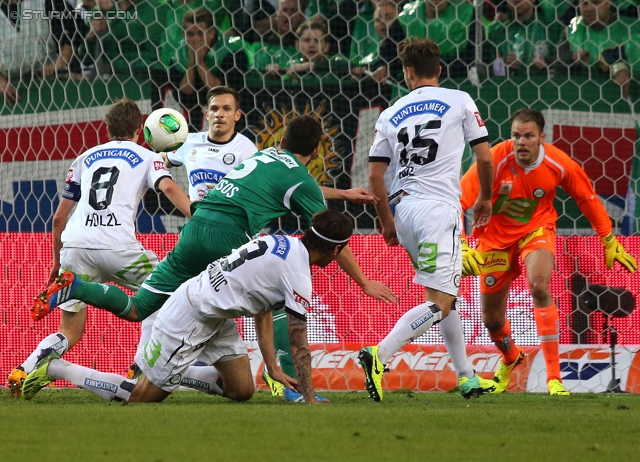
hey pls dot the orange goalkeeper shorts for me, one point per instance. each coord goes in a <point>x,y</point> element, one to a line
<point>502,266</point>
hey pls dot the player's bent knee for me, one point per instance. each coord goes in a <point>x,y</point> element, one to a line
<point>243,392</point>
<point>540,290</point>
<point>147,392</point>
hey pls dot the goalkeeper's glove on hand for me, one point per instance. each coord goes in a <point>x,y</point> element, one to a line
<point>471,260</point>
<point>613,251</point>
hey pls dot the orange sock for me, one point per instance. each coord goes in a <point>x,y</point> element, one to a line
<point>504,342</point>
<point>547,324</point>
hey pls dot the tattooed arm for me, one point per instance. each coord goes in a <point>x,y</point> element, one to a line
<point>301,354</point>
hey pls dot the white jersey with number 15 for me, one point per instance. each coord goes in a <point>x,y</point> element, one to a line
<point>426,132</point>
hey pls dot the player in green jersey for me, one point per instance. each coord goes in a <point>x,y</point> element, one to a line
<point>266,186</point>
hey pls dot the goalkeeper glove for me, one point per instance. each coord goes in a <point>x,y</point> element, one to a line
<point>471,260</point>
<point>613,250</point>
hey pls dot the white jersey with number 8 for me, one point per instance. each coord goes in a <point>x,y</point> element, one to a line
<point>108,182</point>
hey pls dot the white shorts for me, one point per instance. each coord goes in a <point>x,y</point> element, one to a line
<point>127,268</point>
<point>430,232</point>
<point>178,339</point>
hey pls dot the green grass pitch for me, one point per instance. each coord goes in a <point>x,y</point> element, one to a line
<point>72,425</point>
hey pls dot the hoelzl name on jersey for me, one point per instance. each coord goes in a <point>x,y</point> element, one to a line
<point>94,220</point>
<point>128,155</point>
<point>202,175</point>
<point>431,106</point>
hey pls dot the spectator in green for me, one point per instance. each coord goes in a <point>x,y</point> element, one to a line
<point>367,38</point>
<point>312,47</point>
<point>220,9</point>
<point>563,10</point>
<point>449,24</point>
<point>201,61</point>
<point>280,39</point>
<point>525,40</point>
<point>595,41</point>
<point>130,41</point>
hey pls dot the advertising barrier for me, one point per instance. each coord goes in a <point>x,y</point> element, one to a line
<point>342,318</point>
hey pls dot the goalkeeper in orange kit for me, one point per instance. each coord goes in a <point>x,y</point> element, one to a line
<point>523,224</point>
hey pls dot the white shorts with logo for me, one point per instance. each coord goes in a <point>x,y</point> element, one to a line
<point>178,339</point>
<point>430,232</point>
<point>128,268</point>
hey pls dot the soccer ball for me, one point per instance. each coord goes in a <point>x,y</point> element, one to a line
<point>165,130</point>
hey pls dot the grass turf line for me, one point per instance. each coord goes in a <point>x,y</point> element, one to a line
<point>73,425</point>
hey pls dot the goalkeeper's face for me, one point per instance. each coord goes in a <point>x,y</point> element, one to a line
<point>527,138</point>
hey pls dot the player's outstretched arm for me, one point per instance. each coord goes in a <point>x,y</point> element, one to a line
<point>357,195</point>
<point>176,195</point>
<point>60,219</point>
<point>383,209</point>
<point>614,251</point>
<point>482,207</point>
<point>301,354</point>
<point>374,289</point>
<point>264,333</point>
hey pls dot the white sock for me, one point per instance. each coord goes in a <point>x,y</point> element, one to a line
<point>453,336</point>
<point>204,379</point>
<point>107,386</point>
<point>55,341</point>
<point>411,325</point>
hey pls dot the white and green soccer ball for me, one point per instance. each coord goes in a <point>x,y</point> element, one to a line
<point>165,130</point>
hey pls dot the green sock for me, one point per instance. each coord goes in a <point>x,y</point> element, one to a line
<point>281,343</point>
<point>104,296</point>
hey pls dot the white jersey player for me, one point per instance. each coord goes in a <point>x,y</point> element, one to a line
<point>209,156</point>
<point>207,161</point>
<point>105,185</point>
<point>196,322</point>
<point>426,132</point>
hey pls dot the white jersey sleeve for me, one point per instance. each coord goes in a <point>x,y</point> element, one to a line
<point>474,130</point>
<point>177,156</point>
<point>297,290</point>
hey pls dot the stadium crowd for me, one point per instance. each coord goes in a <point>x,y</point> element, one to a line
<point>187,47</point>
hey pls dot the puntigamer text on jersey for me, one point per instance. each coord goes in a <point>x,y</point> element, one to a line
<point>431,106</point>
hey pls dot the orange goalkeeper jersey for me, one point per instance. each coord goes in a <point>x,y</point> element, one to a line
<point>523,197</point>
